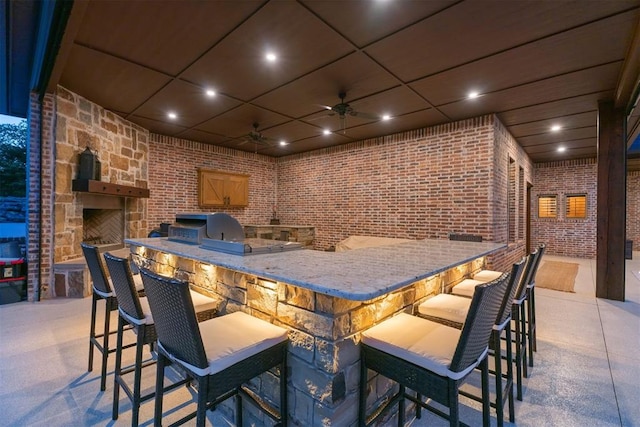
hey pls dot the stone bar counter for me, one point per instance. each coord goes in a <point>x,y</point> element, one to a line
<point>326,300</point>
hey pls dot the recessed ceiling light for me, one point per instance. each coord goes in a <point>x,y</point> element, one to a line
<point>172,115</point>
<point>271,57</point>
<point>326,132</point>
<point>555,128</point>
<point>561,149</point>
<point>386,117</point>
<point>210,93</point>
<point>473,95</point>
<point>283,143</point>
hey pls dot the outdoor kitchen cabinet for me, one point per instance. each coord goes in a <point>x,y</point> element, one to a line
<point>219,189</point>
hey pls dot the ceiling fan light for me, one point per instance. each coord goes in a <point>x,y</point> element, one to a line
<point>562,149</point>
<point>283,143</point>
<point>172,115</point>
<point>386,117</point>
<point>555,128</point>
<point>210,93</point>
<point>473,95</point>
<point>326,132</point>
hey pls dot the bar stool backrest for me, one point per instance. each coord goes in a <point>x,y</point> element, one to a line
<point>482,315</point>
<point>465,237</point>
<point>122,280</point>
<point>175,318</point>
<point>515,277</point>
<point>96,268</point>
<point>541,249</point>
<point>526,276</point>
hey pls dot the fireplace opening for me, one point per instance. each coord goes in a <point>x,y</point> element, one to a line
<point>103,223</point>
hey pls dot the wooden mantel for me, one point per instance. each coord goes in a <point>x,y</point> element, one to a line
<point>107,188</point>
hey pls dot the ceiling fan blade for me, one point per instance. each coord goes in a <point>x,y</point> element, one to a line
<point>362,115</point>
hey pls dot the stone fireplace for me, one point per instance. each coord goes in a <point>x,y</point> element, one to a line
<point>103,212</point>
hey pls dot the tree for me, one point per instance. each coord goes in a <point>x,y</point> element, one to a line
<point>13,159</point>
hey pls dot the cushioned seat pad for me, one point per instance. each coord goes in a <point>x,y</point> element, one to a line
<point>428,344</point>
<point>235,337</point>
<point>446,306</point>
<point>466,288</point>
<point>487,275</point>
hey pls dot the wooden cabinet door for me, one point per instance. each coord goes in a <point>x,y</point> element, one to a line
<point>211,191</point>
<point>237,190</point>
<point>216,189</point>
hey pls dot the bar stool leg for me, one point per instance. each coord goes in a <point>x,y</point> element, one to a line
<point>531,323</point>
<point>157,412</point>
<point>509,388</point>
<point>92,332</point>
<point>518,344</point>
<point>117,371</point>
<point>105,345</point>
<point>497,357</point>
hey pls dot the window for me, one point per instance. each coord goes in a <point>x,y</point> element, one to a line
<point>547,207</point>
<point>576,206</point>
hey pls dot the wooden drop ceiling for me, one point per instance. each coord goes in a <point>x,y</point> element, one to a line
<point>534,63</point>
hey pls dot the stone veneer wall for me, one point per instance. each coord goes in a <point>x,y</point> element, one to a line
<point>568,237</point>
<point>122,148</point>
<point>633,208</point>
<point>173,179</point>
<point>323,360</point>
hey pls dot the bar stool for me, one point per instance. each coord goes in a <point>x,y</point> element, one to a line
<point>452,310</point>
<point>530,300</point>
<point>102,290</point>
<point>431,358</point>
<point>220,354</point>
<point>134,312</point>
<point>531,306</point>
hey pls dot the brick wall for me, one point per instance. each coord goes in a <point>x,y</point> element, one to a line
<point>512,172</point>
<point>568,237</point>
<point>173,179</point>
<point>418,184</point>
<point>633,208</point>
<point>40,219</point>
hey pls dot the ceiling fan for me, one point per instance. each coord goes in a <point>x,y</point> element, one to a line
<point>343,109</point>
<point>257,138</point>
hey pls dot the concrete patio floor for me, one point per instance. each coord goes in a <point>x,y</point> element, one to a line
<point>586,368</point>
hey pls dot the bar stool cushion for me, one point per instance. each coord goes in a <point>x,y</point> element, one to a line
<point>466,288</point>
<point>487,275</point>
<point>203,303</point>
<point>137,279</point>
<point>446,306</point>
<point>424,343</point>
<point>224,346</point>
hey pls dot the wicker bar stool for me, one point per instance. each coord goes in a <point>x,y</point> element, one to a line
<point>135,312</point>
<point>530,301</point>
<point>430,358</point>
<point>102,291</point>
<point>452,310</point>
<point>220,354</point>
<point>531,306</point>
<point>518,315</point>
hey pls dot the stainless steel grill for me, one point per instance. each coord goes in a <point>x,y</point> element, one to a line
<point>223,233</point>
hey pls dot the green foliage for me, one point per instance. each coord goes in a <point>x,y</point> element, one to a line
<point>13,159</point>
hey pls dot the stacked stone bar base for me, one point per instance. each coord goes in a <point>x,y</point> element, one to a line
<point>324,332</point>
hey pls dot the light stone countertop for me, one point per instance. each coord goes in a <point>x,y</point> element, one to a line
<point>359,274</point>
